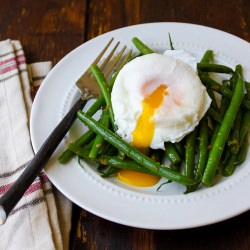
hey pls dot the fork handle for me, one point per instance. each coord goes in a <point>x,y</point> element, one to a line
<point>34,167</point>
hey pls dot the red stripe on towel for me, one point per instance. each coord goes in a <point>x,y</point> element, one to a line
<point>19,58</point>
<point>12,59</point>
<point>36,185</point>
<point>8,69</point>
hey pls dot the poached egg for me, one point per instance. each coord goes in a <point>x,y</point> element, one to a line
<point>157,98</point>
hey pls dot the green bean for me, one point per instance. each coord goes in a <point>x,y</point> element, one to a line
<point>243,150</point>
<point>112,80</point>
<point>207,57</point>
<point>121,155</point>
<point>175,167</point>
<point>238,156</point>
<point>111,171</point>
<point>239,70</point>
<point>105,148</point>
<point>100,168</point>
<point>180,149</point>
<point>217,149</point>
<point>247,86</point>
<point>157,155</point>
<point>105,91</point>
<point>210,83</point>
<point>214,104</point>
<point>215,68</point>
<point>82,152</point>
<point>223,109</point>
<point>214,135</point>
<point>170,42</point>
<point>87,146</point>
<point>122,164</point>
<point>96,105</point>
<point>84,139</point>
<point>230,165</point>
<point>234,78</point>
<point>223,90</point>
<point>202,153</point>
<point>214,115</point>
<point>245,125</point>
<point>234,140</point>
<point>202,149</point>
<point>100,101</point>
<point>190,148</point>
<point>133,153</point>
<point>224,105</point>
<point>98,141</point>
<point>115,162</point>
<point>141,46</point>
<point>108,149</point>
<point>172,153</point>
<point>189,166</point>
<point>131,58</point>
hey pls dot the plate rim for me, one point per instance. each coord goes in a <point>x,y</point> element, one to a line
<point>139,223</point>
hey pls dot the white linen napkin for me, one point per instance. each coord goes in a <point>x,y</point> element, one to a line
<point>42,218</point>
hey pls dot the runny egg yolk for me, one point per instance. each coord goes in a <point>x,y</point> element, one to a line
<point>137,179</point>
<point>142,137</point>
<point>144,130</point>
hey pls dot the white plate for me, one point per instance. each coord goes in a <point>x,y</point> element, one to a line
<point>117,202</point>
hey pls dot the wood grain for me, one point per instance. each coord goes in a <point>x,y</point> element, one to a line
<point>49,29</point>
<point>105,17</point>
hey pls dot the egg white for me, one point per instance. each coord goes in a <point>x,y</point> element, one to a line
<point>182,109</point>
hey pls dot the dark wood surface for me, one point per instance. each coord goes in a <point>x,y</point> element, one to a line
<point>49,29</point>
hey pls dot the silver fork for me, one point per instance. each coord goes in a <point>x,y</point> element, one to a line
<point>89,89</point>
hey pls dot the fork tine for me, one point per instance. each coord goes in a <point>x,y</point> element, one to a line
<point>124,60</point>
<point>114,63</point>
<point>109,56</point>
<point>87,82</point>
<point>100,55</point>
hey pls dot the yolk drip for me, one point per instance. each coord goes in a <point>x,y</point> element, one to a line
<point>142,137</point>
<point>137,179</point>
<point>144,130</point>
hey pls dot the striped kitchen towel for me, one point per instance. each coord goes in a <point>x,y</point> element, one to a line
<point>42,218</point>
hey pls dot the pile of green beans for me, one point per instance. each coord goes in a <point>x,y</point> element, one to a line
<point>213,150</point>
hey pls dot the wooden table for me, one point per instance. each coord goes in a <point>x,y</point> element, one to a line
<point>49,30</point>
